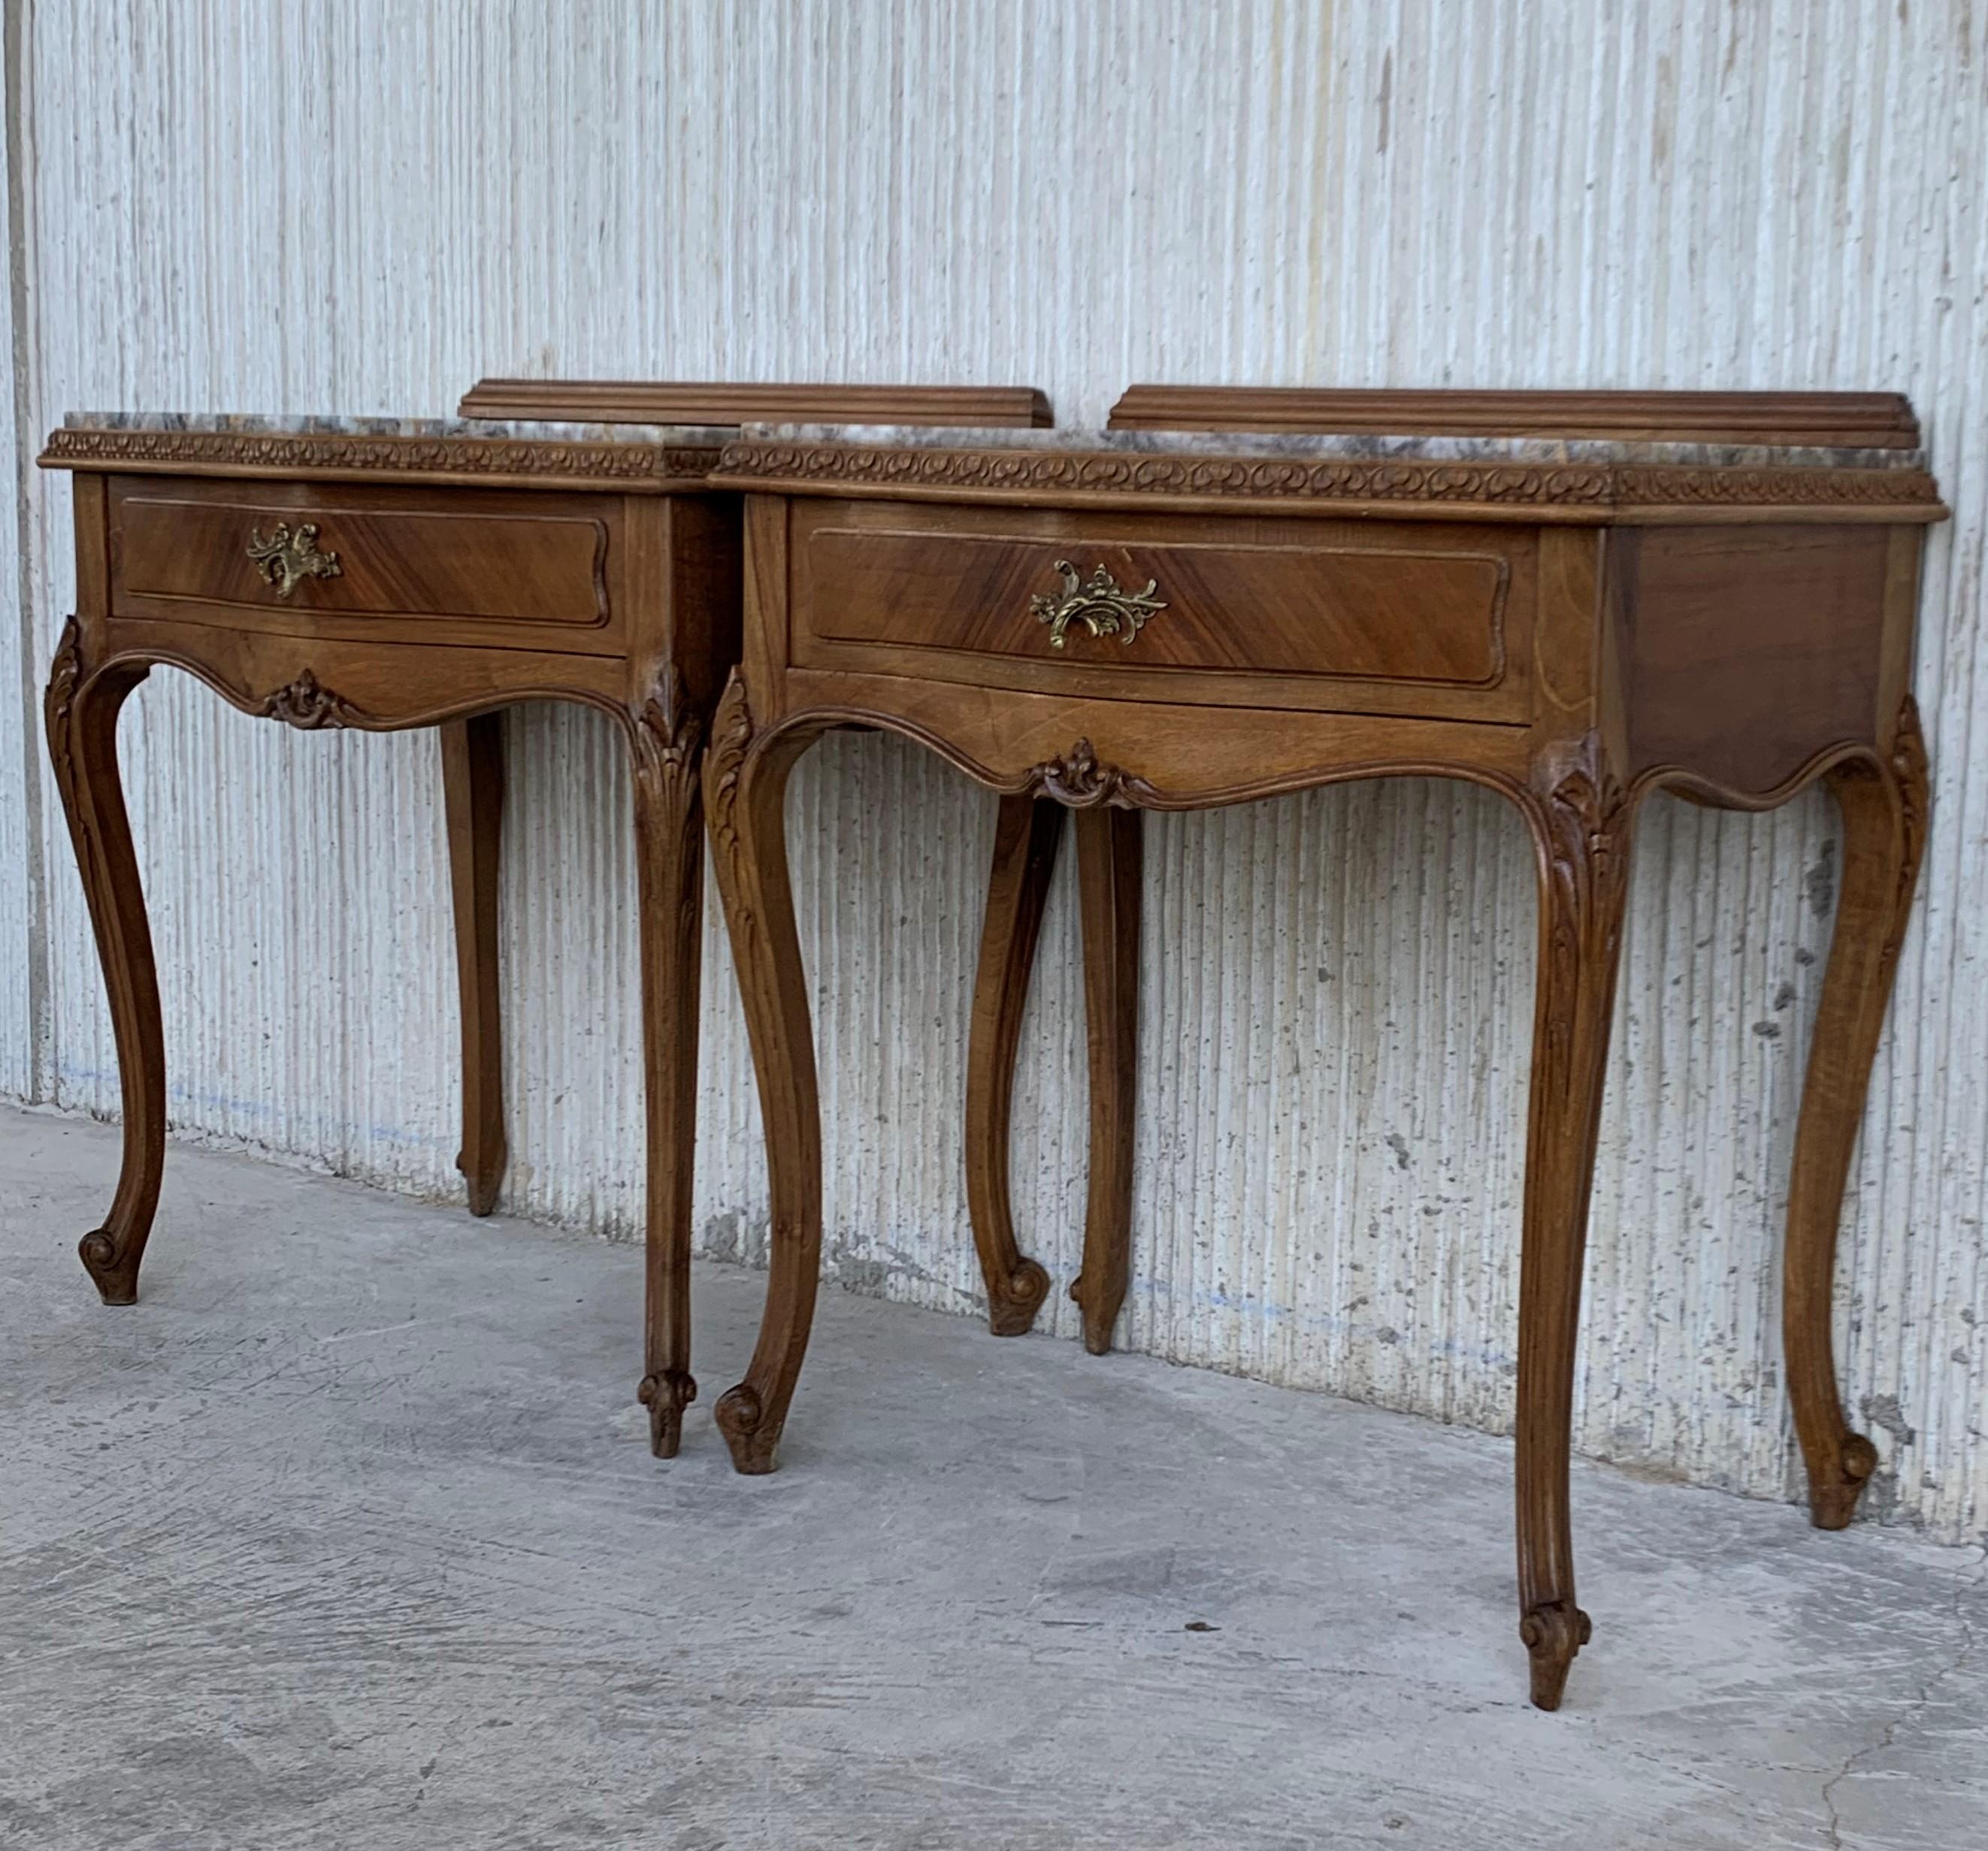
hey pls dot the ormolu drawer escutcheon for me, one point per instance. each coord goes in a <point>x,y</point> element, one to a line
<point>286,558</point>
<point>1097,604</point>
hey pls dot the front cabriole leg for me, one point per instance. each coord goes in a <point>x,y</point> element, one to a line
<point>81,710</point>
<point>1883,802</point>
<point>665,735</point>
<point>1580,813</point>
<point>745,792</point>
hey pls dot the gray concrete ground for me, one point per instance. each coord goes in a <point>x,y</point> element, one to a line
<point>347,1536</point>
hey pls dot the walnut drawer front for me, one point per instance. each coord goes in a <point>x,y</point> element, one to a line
<point>330,558</point>
<point>1408,617</point>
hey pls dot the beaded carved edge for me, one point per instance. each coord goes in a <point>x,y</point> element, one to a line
<point>74,448</point>
<point>1598,486</point>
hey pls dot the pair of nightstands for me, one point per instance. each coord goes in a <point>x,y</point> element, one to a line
<point>561,541</point>
<point>1572,598</point>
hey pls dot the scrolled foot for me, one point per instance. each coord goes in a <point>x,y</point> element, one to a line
<point>1013,1314</point>
<point>1832,1502</point>
<point>115,1279</point>
<point>1551,1635</point>
<point>752,1438</point>
<point>666,1395</point>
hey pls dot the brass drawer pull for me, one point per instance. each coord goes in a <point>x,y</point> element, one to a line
<point>286,558</point>
<point>1097,604</point>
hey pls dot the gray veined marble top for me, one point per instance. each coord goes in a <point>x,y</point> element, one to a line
<point>1364,448</point>
<point>1361,448</point>
<point>527,430</point>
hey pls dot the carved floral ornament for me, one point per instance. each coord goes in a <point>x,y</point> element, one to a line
<point>309,706</point>
<point>1078,779</point>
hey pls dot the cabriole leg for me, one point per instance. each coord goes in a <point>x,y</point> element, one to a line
<point>1884,808</point>
<point>472,775</point>
<point>1582,822</point>
<point>81,710</point>
<point>1108,866</point>
<point>745,786</point>
<point>669,861</point>
<point>1024,851</point>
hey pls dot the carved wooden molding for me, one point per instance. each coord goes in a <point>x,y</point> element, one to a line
<point>296,451</point>
<point>1855,421</point>
<point>1596,486</point>
<point>308,705</point>
<point>720,402</point>
<point>1079,780</point>
<point>1653,485</point>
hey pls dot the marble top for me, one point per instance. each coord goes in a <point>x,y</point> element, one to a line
<point>531,431</point>
<point>1365,448</point>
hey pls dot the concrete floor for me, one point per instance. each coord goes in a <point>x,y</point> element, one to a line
<point>347,1536</point>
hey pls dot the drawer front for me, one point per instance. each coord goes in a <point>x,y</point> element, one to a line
<point>1395,616</point>
<point>239,552</point>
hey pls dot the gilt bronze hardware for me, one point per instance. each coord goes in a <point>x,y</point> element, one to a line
<point>286,558</point>
<point>1097,604</point>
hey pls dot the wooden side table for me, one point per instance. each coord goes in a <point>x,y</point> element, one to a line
<point>382,574</point>
<point>1578,600</point>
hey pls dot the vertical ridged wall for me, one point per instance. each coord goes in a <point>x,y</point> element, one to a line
<point>363,206</point>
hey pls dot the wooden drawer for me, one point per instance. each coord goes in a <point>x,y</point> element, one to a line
<point>1384,617</point>
<point>451,561</point>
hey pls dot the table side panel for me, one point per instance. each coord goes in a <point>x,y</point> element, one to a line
<point>1744,652</point>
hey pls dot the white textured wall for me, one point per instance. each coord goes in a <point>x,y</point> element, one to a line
<point>363,204</point>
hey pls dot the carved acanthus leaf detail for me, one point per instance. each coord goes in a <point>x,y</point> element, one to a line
<point>64,673</point>
<point>1079,780</point>
<point>65,668</point>
<point>730,737</point>
<point>668,727</point>
<point>1585,808</point>
<point>309,706</point>
<point>1909,767</point>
